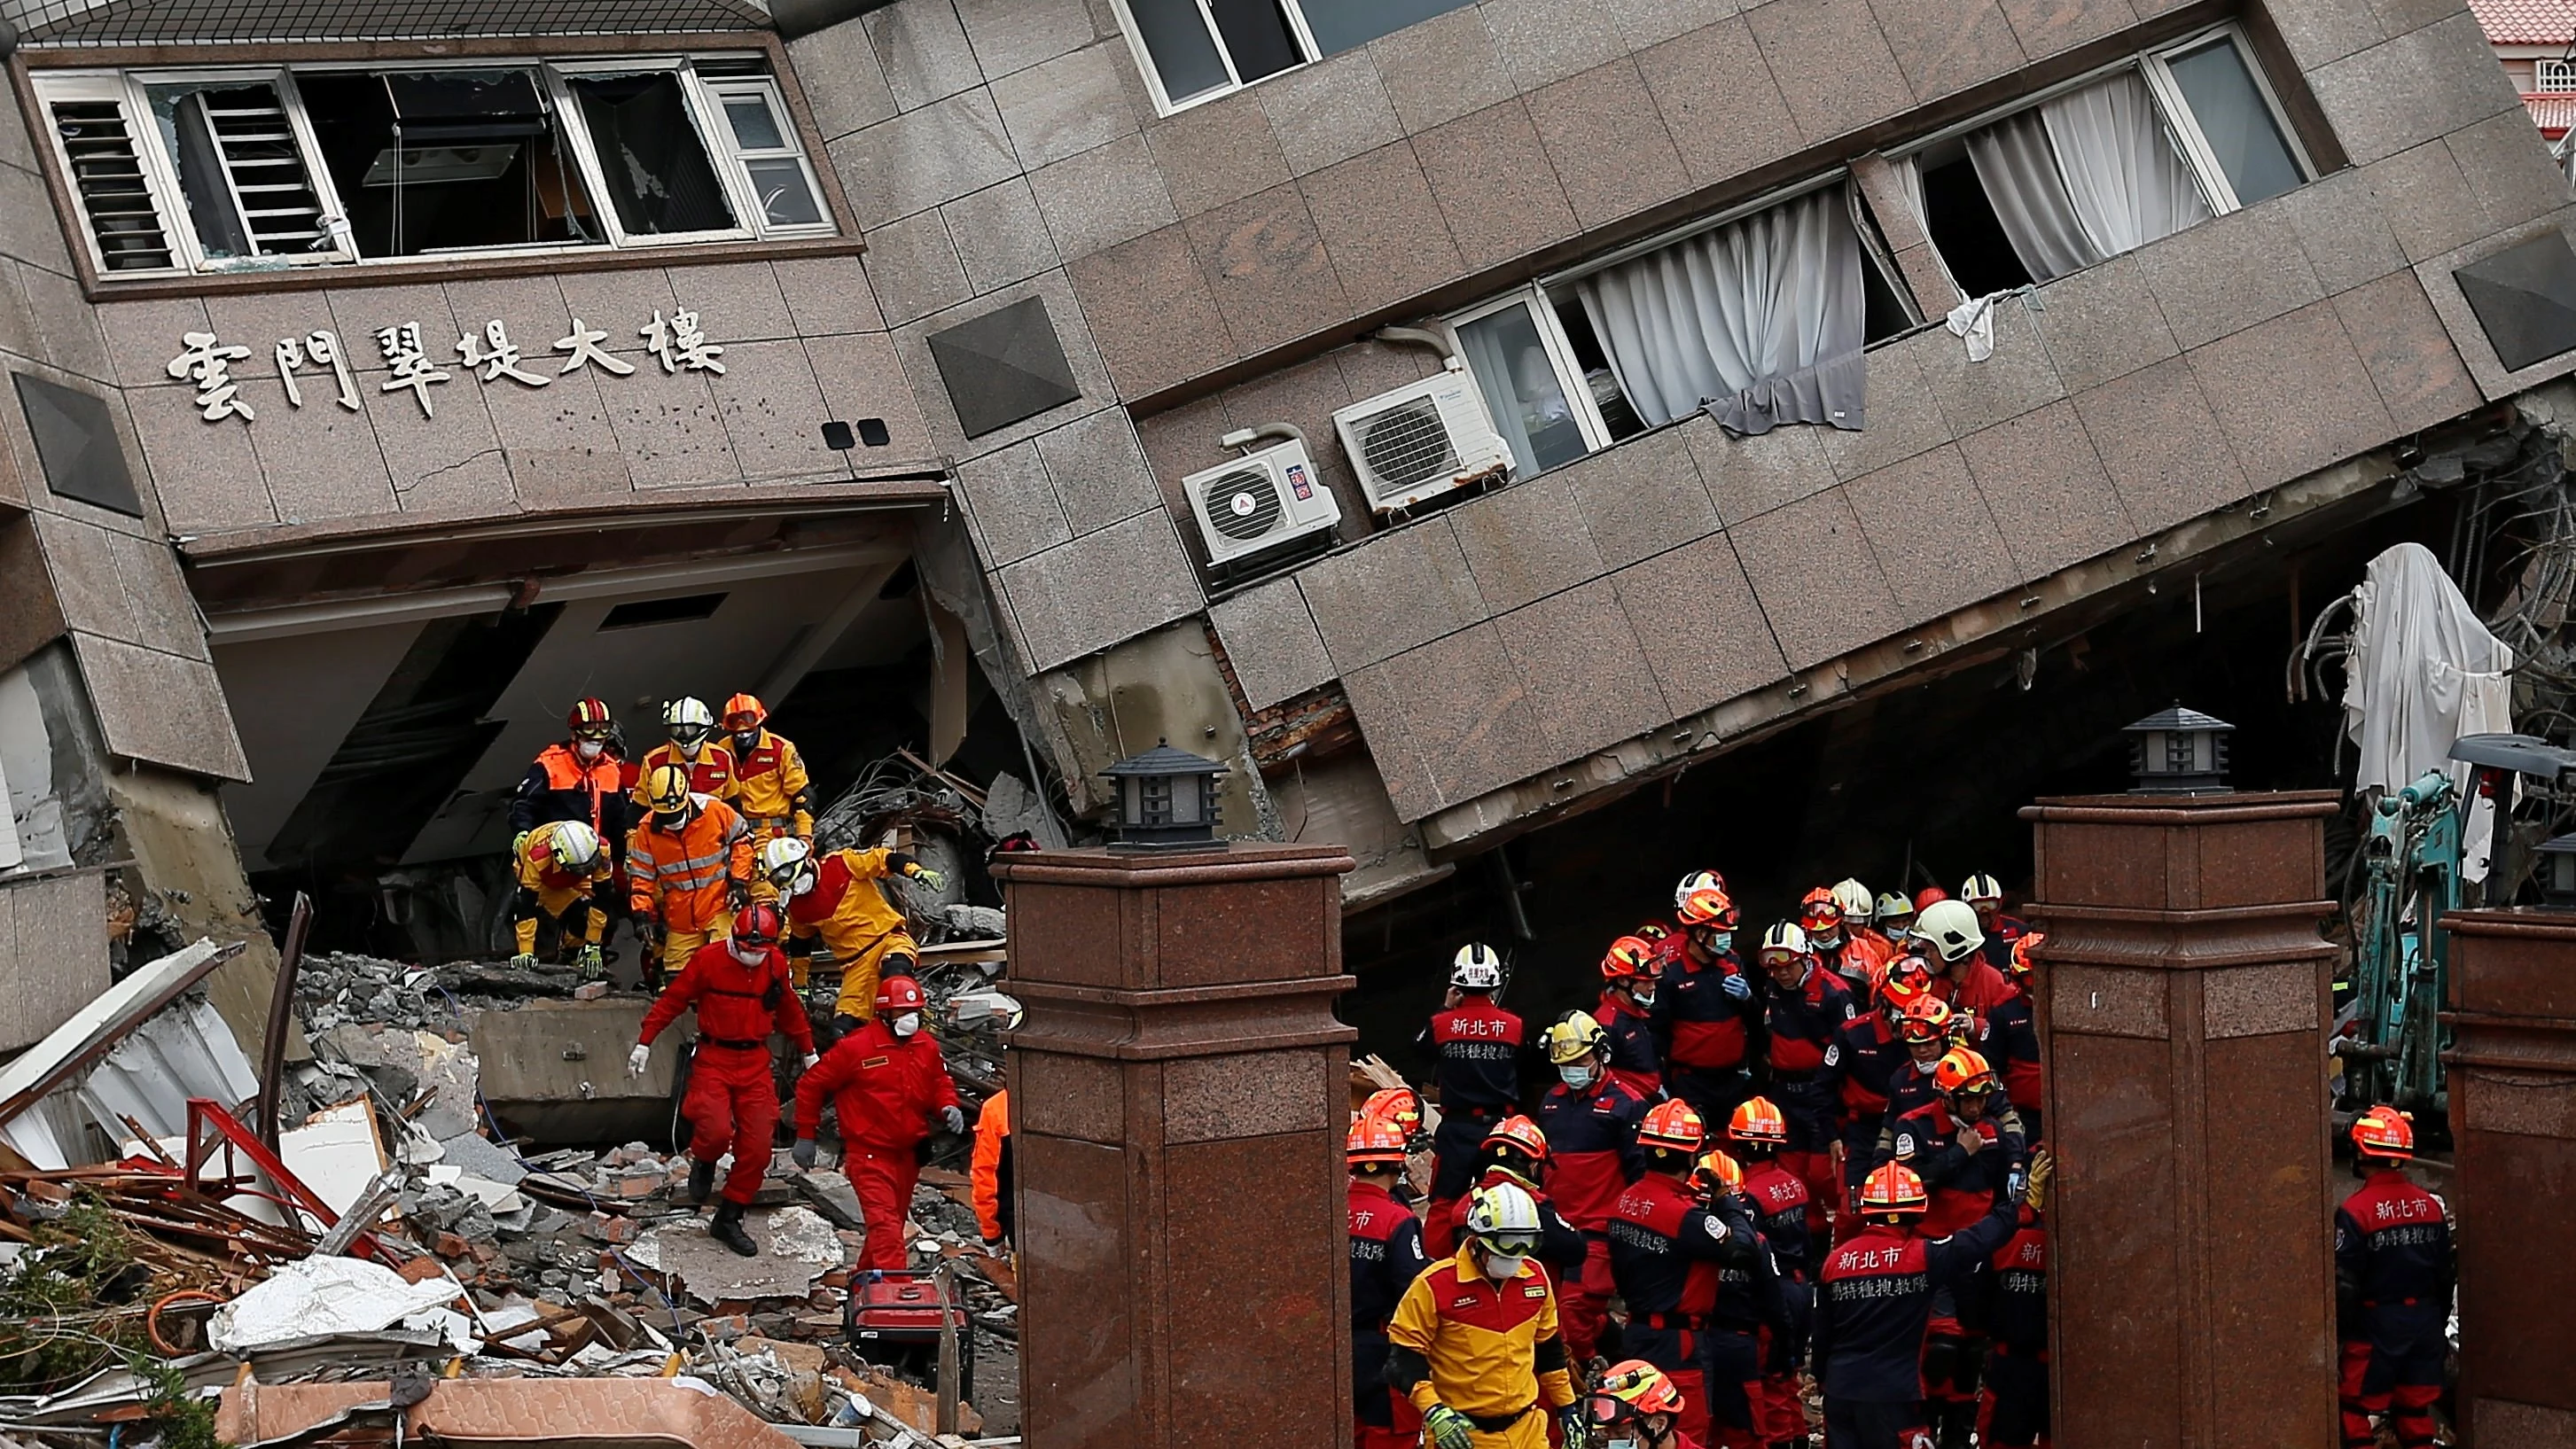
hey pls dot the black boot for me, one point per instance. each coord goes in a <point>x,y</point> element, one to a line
<point>726,1228</point>
<point>702,1180</point>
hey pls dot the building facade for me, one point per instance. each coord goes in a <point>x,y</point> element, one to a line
<point>1454,415</point>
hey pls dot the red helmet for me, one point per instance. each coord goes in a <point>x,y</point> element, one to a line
<point>2384,1132</point>
<point>1716,1175</point>
<point>744,712</point>
<point>1374,1142</point>
<point>1819,911</point>
<point>1631,959</point>
<point>1629,1391</point>
<point>1893,1188</point>
<point>896,995</point>
<point>1521,1135</point>
<point>1925,1018</point>
<point>1757,1120</point>
<point>2022,946</point>
<point>1672,1126</point>
<point>1703,901</point>
<point>1399,1107</point>
<point>1961,1070</point>
<point>1907,979</point>
<point>588,719</point>
<point>1927,896</point>
<point>1653,932</point>
<point>757,925</point>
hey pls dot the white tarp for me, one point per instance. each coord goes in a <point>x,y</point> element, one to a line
<point>2423,672</point>
<point>323,1296</point>
<point>32,1134</point>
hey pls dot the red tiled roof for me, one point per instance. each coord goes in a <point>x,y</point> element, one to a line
<point>2527,22</point>
<point>2554,112</point>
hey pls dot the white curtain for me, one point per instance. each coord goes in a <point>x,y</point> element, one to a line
<point>2018,169</point>
<point>1760,321</point>
<point>2126,184</point>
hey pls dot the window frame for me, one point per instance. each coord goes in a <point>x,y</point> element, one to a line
<point>2566,69</point>
<point>1554,343</point>
<point>126,87</point>
<point>1299,30</point>
<point>2182,126</point>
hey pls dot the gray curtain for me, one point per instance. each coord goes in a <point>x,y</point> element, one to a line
<point>2018,169</point>
<point>1760,321</point>
<point>2122,176</point>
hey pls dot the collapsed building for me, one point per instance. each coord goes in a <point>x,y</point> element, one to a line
<point>1538,445</point>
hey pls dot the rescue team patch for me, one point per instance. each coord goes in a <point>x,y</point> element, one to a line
<point>1534,1292</point>
<point>874,1062</point>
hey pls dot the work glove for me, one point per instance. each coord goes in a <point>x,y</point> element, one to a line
<point>809,1060</point>
<point>2017,1184</point>
<point>952,1118</point>
<point>519,842</point>
<point>804,1153</point>
<point>843,1023</point>
<point>2043,1169</point>
<point>1570,1427</point>
<point>592,961</point>
<point>524,961</point>
<point>1446,1428</point>
<point>930,879</point>
<point>637,1059</point>
<point>1737,987</point>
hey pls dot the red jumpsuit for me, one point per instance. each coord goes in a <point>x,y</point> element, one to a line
<point>889,1089</point>
<point>732,1103</point>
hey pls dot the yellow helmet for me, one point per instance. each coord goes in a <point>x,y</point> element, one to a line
<point>1574,1038</point>
<point>666,790</point>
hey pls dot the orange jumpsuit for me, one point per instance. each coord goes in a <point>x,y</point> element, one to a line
<point>685,880</point>
<point>990,1172</point>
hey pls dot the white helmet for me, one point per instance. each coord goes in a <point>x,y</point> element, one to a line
<point>1893,906</point>
<point>1786,936</point>
<point>1695,882</point>
<point>1476,968</point>
<point>576,845</point>
<point>1505,1216</point>
<point>1950,927</point>
<point>787,861</point>
<point>1854,898</point>
<point>1981,890</point>
<point>689,721</point>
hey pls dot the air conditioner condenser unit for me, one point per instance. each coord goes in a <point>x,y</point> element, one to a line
<point>1260,504</point>
<point>1421,441</point>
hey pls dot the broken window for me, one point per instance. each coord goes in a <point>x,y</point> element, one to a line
<point>1196,50</point>
<point>2104,166</point>
<point>217,170</point>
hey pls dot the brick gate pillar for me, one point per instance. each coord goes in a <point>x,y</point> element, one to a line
<point>1178,1100</point>
<point>2187,1001</point>
<point>2513,1186</point>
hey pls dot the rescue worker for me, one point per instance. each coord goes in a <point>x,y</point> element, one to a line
<point>1401,1106</point>
<point>770,785</point>
<point>1856,961</point>
<point>1860,1069</point>
<point>1636,1407</point>
<point>688,868</point>
<point>1925,1028</point>
<point>1386,1256</point>
<point>1985,896</point>
<point>1783,1209</point>
<point>1805,1007</point>
<point>1474,1345</point>
<point>891,1086</point>
<point>2015,1412</point>
<point>1966,1154</point>
<point>1666,1250</point>
<point>1516,1152</point>
<point>1860,917</point>
<point>1626,1014</point>
<point>838,902</point>
<point>578,778</point>
<point>1591,1122</point>
<point>1479,1047</point>
<point>1893,920</point>
<point>1707,1004</point>
<point>1955,945</point>
<point>2012,1036</point>
<point>989,1170</point>
<point>560,867</point>
<point>1749,1316</point>
<point>693,747</point>
<point>2393,1281</point>
<point>1874,1302</point>
<point>739,988</point>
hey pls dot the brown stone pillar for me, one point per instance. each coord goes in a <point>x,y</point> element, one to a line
<point>2513,1186</point>
<point>1178,1102</point>
<point>2186,995</point>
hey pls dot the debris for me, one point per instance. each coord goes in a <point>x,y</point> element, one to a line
<point>330,1296</point>
<point>72,1048</point>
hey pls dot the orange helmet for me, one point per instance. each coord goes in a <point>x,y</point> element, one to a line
<point>588,719</point>
<point>1962,1071</point>
<point>744,712</point>
<point>1925,1018</point>
<point>1631,959</point>
<point>2384,1132</point>
<point>1905,982</point>
<point>1756,1120</point>
<point>1373,1142</point>
<point>1892,1188</point>
<point>1708,906</point>
<point>1672,1126</point>
<point>1819,911</point>
<point>1629,1391</point>
<point>897,995</point>
<point>1398,1107</point>
<point>1653,932</point>
<point>2022,947</point>
<point>1717,1174</point>
<point>1521,1135</point>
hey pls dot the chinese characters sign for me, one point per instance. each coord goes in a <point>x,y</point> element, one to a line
<point>677,342</point>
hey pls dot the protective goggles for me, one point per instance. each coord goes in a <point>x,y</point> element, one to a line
<point>1609,1411</point>
<point>597,731</point>
<point>1510,1245</point>
<point>1922,1033</point>
<point>1771,959</point>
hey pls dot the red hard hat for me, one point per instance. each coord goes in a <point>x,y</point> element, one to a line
<point>1757,1120</point>
<point>757,925</point>
<point>1631,959</point>
<point>1819,911</point>
<point>1672,1126</point>
<point>588,718</point>
<point>1928,895</point>
<point>1522,1135</point>
<point>896,995</point>
<point>1893,1188</point>
<point>1371,1142</point>
<point>2384,1132</point>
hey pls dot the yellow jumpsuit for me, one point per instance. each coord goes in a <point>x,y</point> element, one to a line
<point>1485,1344</point>
<point>855,921</point>
<point>547,892</point>
<point>770,789</point>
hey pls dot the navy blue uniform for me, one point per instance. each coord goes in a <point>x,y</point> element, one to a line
<point>1803,1022</point>
<point>1860,1069</point>
<point>1872,1309</point>
<point>1666,1253</point>
<point>2393,1277</point>
<point>2012,1030</point>
<point>1386,1254</point>
<point>1635,1058</point>
<point>1592,1157</point>
<point>1707,1033</point>
<point>1477,1082</point>
<point>2017,1313</point>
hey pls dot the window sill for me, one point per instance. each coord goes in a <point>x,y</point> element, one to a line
<point>455,268</point>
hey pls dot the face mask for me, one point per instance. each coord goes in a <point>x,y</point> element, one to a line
<point>671,820</point>
<point>1829,942</point>
<point>1644,996</point>
<point>744,740</point>
<point>1721,942</point>
<point>1578,1076</point>
<point>747,955</point>
<point>588,749</point>
<point>907,1024</point>
<point>1623,1444</point>
<point>1502,1269</point>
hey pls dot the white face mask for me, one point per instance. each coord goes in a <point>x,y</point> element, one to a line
<point>907,1024</point>
<point>747,955</point>
<point>1502,1269</point>
<point>588,749</point>
<point>1644,997</point>
<point>1578,1076</point>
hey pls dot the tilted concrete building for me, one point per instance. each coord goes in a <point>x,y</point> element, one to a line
<point>385,378</point>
